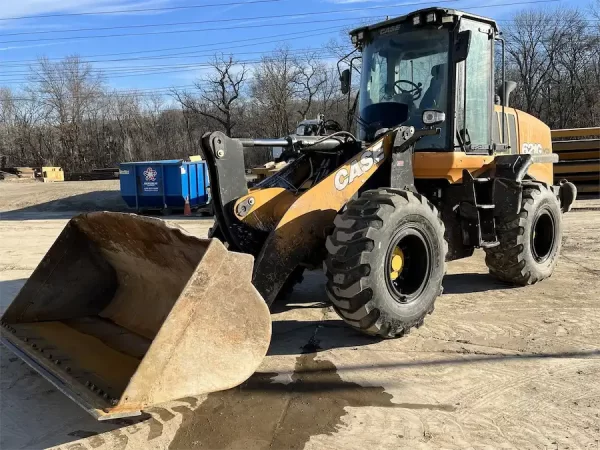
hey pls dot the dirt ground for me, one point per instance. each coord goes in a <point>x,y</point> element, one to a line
<point>30,196</point>
<point>493,367</point>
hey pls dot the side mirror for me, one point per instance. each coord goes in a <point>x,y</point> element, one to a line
<point>432,117</point>
<point>345,79</point>
<point>461,46</point>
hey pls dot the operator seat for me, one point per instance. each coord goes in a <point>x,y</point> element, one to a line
<point>432,97</point>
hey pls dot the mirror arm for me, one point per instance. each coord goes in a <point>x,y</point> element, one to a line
<point>503,88</point>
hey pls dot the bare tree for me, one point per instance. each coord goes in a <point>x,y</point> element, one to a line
<point>65,116</point>
<point>274,87</point>
<point>68,90</point>
<point>554,57</point>
<point>219,92</point>
<point>309,80</point>
<point>527,43</point>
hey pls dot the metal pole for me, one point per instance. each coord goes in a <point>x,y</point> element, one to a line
<point>464,136</point>
<point>265,142</point>
<point>503,91</point>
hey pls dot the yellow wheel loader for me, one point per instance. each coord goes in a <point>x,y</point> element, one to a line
<point>126,311</point>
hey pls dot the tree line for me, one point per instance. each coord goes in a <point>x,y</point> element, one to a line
<point>66,114</point>
<point>554,56</point>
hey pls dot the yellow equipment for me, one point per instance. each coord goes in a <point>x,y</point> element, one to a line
<point>50,174</point>
<point>126,311</point>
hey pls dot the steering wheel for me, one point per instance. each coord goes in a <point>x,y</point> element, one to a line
<point>416,91</point>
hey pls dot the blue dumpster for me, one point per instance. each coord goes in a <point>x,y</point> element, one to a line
<point>164,184</point>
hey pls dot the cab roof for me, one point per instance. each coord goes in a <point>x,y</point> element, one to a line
<point>443,11</point>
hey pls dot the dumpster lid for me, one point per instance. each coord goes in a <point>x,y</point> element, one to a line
<point>164,161</point>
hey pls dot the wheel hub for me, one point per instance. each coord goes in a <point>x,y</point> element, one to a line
<point>542,236</point>
<point>409,265</point>
<point>397,263</point>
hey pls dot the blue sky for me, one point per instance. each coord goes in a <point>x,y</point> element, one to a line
<point>246,28</point>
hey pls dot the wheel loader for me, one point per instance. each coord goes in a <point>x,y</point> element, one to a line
<point>125,311</point>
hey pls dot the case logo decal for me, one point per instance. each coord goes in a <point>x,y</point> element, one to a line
<point>357,167</point>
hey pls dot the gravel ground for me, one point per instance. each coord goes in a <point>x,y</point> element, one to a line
<point>493,367</point>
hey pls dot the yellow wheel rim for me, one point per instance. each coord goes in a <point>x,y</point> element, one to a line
<point>397,263</point>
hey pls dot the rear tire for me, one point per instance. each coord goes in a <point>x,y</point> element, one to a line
<point>530,241</point>
<point>363,244</point>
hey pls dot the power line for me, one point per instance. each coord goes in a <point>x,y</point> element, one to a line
<point>116,92</point>
<point>184,47</point>
<point>143,92</point>
<point>186,68</point>
<point>324,31</point>
<point>121,11</point>
<point>134,69</point>
<point>99,95</point>
<point>161,71</point>
<point>83,37</point>
<point>236,19</point>
<point>581,19</point>
<point>172,24</point>
<point>70,38</point>
<point>26,62</point>
<point>139,70</point>
<point>165,71</point>
<point>124,92</point>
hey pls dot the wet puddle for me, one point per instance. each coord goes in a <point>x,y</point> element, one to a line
<point>261,414</point>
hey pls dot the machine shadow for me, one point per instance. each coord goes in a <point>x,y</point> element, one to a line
<point>8,291</point>
<point>268,385</point>
<point>467,283</point>
<point>31,406</point>
<point>68,206</point>
<point>310,294</point>
<point>293,337</point>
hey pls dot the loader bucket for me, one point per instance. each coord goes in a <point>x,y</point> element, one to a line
<point>125,312</point>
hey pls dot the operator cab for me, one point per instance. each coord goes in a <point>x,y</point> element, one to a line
<point>417,63</point>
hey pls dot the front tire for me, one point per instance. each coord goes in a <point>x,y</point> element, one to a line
<point>371,288</point>
<point>530,241</point>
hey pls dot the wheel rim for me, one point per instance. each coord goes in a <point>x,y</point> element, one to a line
<point>542,236</point>
<point>408,265</point>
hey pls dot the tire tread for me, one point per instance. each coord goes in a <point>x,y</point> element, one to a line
<point>348,267</point>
